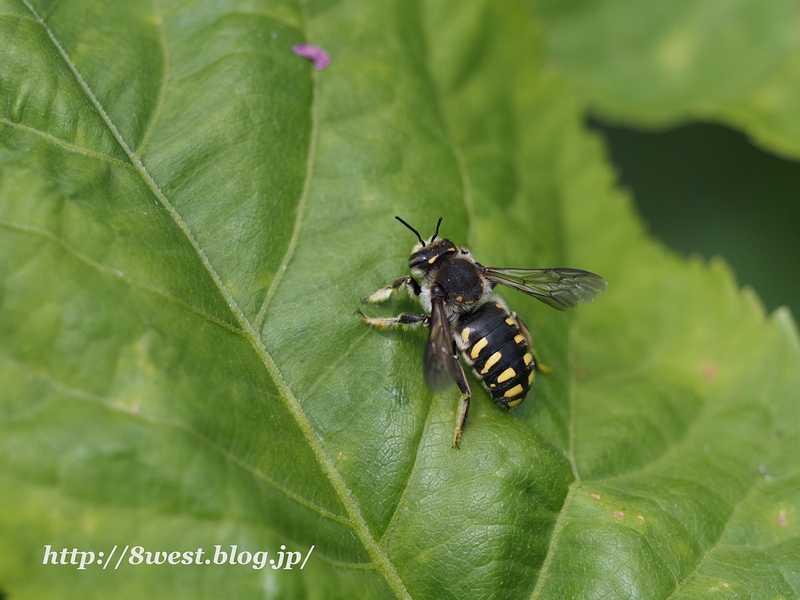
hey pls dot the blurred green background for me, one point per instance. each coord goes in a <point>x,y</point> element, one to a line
<point>704,188</point>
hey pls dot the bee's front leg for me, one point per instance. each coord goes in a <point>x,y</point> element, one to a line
<point>401,319</point>
<point>387,290</point>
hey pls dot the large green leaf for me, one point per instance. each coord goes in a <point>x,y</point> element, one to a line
<point>189,214</point>
<point>658,63</point>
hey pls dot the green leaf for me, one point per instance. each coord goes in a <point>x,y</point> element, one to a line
<point>189,214</point>
<point>657,64</point>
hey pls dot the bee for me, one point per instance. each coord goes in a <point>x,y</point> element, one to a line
<point>464,314</point>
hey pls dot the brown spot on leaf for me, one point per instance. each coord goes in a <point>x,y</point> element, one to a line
<point>595,496</point>
<point>618,514</point>
<point>709,371</point>
<point>580,373</point>
<point>782,520</point>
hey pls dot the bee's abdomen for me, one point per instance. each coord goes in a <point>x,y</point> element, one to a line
<point>498,353</point>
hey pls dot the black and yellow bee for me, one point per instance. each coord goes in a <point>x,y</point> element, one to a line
<point>464,314</point>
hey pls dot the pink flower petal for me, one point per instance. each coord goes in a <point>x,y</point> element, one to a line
<point>318,55</point>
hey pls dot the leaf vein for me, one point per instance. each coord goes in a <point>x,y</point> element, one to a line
<point>66,145</point>
<point>117,273</point>
<point>458,154</point>
<point>402,501</point>
<point>133,412</point>
<point>19,16</point>
<point>301,206</point>
<point>50,10</point>
<point>333,367</point>
<point>561,522</point>
<point>718,544</point>
<point>162,92</point>
<point>384,565</point>
<point>756,481</point>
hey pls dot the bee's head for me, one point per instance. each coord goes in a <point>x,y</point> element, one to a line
<point>424,255</point>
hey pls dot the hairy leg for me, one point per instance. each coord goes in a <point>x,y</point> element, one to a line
<point>403,282</point>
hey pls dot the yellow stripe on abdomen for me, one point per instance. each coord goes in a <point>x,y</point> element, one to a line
<point>506,375</point>
<point>476,349</point>
<point>491,362</point>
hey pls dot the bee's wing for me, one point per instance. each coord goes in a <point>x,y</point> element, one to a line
<point>439,362</point>
<point>560,288</point>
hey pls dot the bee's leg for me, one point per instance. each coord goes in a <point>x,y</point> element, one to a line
<point>544,369</point>
<point>401,319</point>
<point>527,335</point>
<point>463,405</point>
<point>386,291</point>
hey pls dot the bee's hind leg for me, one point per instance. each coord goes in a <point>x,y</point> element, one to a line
<point>387,290</point>
<point>527,335</point>
<point>401,319</point>
<point>463,405</point>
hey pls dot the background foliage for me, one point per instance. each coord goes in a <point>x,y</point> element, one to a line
<point>189,214</point>
<point>705,188</point>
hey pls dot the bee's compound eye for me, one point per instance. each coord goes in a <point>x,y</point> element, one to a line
<point>417,259</point>
<point>438,291</point>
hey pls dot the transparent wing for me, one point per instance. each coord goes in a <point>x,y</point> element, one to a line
<point>439,362</point>
<point>560,288</point>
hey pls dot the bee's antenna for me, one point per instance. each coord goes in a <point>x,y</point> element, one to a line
<point>419,237</point>
<point>435,233</point>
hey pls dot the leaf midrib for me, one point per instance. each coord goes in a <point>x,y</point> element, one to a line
<point>357,521</point>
